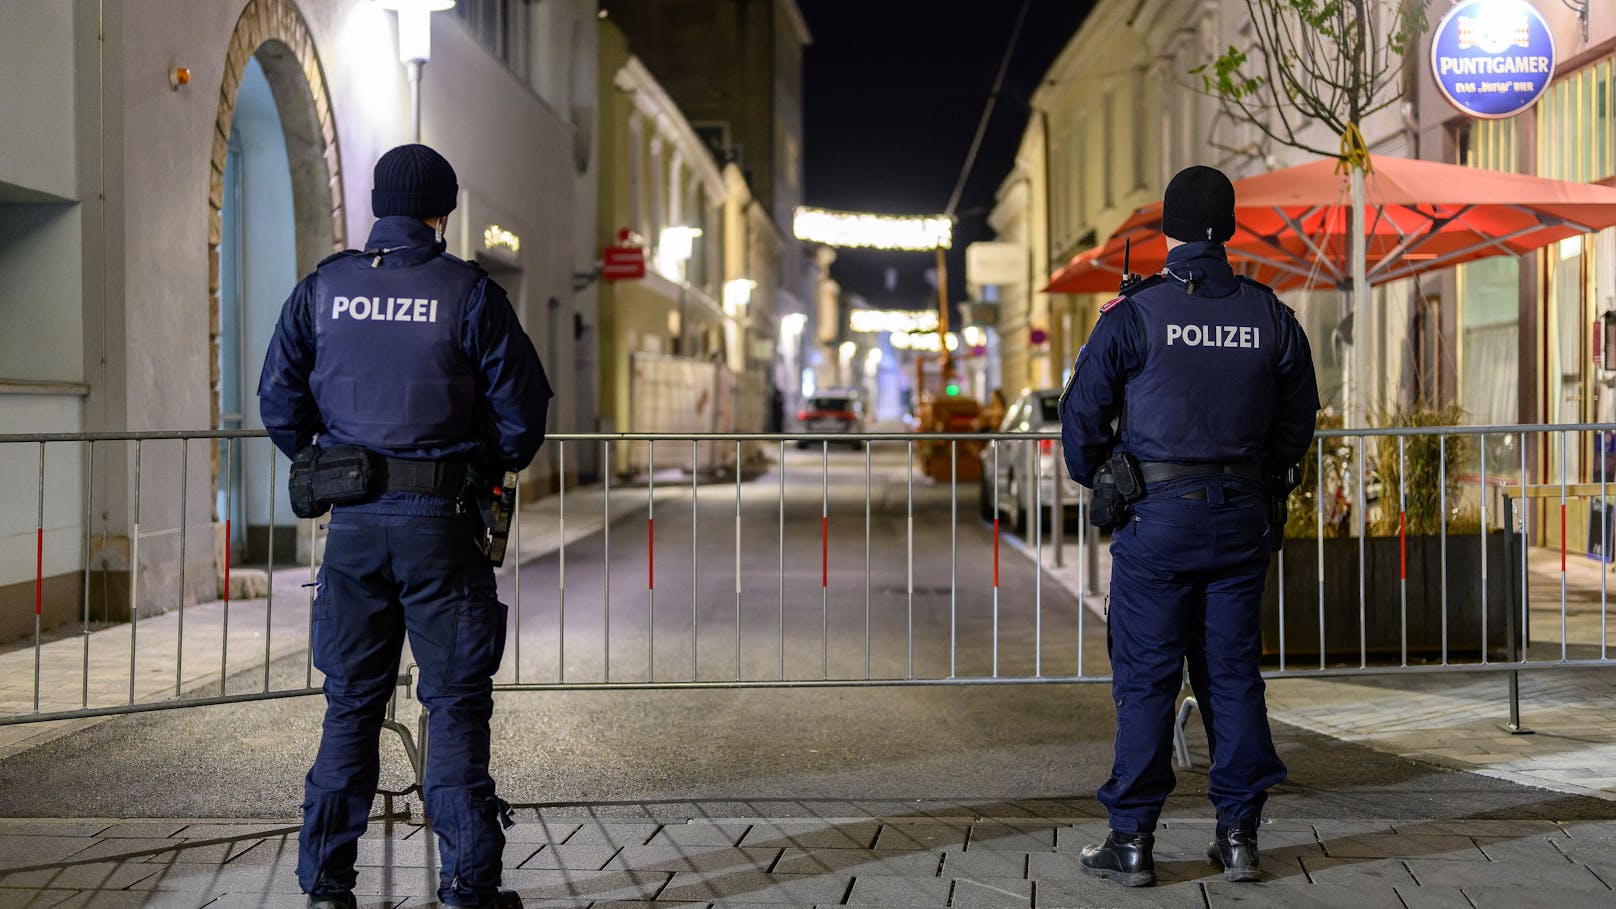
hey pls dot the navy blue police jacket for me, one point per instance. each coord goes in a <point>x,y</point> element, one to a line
<point>1212,367</point>
<point>409,352</point>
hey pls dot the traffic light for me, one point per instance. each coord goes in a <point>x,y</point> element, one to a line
<point>952,390</point>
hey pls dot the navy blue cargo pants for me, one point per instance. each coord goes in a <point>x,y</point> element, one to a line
<point>384,577</point>
<point>1187,578</point>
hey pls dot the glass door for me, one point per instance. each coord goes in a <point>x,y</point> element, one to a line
<point>1569,401</point>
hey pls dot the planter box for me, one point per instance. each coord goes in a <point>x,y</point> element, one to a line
<point>1382,617</point>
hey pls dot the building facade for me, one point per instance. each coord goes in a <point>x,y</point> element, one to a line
<point>163,197</point>
<point>1507,339</point>
<point>685,347</point>
<point>1120,111</point>
<point>734,70</point>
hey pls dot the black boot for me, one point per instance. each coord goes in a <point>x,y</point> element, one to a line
<point>333,901</point>
<point>505,899</point>
<point>1123,857</point>
<point>1236,850</point>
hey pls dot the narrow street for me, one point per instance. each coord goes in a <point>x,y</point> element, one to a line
<point>636,749</point>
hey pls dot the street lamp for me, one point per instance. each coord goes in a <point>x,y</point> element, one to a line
<point>415,42</point>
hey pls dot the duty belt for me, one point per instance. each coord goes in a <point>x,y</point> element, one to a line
<point>1166,471</point>
<point>445,479</point>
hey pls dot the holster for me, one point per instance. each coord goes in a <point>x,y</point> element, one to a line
<point>1279,496</point>
<point>1117,485</point>
<point>496,504</point>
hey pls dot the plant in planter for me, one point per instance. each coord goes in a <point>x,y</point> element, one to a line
<point>1406,555</point>
<point>1421,475</point>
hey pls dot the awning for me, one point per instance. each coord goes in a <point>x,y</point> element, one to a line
<point>1292,232</point>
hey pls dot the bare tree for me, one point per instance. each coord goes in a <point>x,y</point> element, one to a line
<point>1327,64</point>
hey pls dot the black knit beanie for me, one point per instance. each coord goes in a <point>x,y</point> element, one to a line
<point>416,181</point>
<point>1198,205</point>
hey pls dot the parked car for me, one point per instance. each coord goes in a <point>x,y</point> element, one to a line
<point>1018,461</point>
<point>832,410</point>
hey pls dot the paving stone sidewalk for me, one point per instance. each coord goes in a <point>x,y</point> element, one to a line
<point>1453,720</point>
<point>915,858</point>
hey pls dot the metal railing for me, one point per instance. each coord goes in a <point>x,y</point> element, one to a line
<point>885,619</point>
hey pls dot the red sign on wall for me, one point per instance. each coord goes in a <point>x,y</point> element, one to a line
<point>622,263</point>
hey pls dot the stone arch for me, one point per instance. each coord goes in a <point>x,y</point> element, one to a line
<point>275,32</point>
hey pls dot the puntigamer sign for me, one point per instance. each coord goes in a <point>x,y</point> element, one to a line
<point>1492,58</point>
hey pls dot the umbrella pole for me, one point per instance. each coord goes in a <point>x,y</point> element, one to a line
<point>1357,384</point>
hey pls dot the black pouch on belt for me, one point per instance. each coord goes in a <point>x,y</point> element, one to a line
<point>341,475</point>
<point>300,484</point>
<point>345,475</point>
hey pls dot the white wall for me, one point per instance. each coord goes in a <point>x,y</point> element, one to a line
<point>38,101</point>
<point>505,143</point>
<point>40,297</point>
<point>19,489</point>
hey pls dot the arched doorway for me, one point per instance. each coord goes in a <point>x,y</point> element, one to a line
<point>275,210</point>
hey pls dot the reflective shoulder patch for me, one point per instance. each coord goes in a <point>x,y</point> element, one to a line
<point>1106,306</point>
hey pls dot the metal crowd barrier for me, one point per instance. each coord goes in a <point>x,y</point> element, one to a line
<point>1372,513</point>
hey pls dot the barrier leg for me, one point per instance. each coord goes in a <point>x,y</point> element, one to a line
<point>414,743</point>
<point>1181,748</point>
<point>1516,651</point>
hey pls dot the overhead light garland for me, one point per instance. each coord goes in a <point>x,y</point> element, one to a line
<point>866,230</point>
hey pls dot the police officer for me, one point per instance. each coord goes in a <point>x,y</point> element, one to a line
<point>1197,387</point>
<point>416,357</point>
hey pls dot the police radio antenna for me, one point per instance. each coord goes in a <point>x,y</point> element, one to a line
<point>1129,279</point>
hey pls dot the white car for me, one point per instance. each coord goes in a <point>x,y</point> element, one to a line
<point>1019,461</point>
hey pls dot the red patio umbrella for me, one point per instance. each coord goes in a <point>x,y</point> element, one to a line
<point>1292,230</point>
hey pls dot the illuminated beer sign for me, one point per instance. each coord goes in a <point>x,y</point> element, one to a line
<point>1492,58</point>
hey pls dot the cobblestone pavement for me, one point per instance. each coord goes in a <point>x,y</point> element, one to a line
<point>881,854</point>
<point>912,856</point>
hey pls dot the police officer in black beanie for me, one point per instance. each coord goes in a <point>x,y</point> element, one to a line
<point>411,362</point>
<point>1194,394</point>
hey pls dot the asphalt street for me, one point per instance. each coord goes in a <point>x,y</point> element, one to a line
<point>1000,749</point>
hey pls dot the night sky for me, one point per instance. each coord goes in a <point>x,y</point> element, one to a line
<point>893,92</point>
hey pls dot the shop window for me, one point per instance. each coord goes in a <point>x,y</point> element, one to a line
<point>1077,200</point>
<point>1574,125</point>
<point>501,27</point>
<point>1489,145</point>
<point>1108,144</point>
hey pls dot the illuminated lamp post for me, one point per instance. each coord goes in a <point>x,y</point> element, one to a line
<point>415,42</point>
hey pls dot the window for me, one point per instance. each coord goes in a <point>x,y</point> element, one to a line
<point>1141,91</point>
<point>1574,124</point>
<point>1489,334</point>
<point>636,175</point>
<point>1049,408</point>
<point>501,27</point>
<point>1079,176</point>
<point>1489,145</point>
<point>1108,145</point>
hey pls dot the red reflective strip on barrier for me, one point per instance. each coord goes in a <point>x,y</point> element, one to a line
<point>226,561</point>
<point>39,574</point>
<point>1402,545</point>
<point>995,550</point>
<point>1562,538</point>
<point>824,551</point>
<point>650,553</point>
